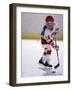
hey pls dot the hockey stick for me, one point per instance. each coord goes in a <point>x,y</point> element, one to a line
<point>57,56</point>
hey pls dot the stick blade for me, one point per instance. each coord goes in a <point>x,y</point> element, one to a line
<point>57,66</point>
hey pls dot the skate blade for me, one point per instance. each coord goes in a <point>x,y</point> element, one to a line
<point>50,68</point>
<point>53,71</point>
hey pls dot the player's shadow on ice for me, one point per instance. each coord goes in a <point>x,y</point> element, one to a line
<point>47,71</point>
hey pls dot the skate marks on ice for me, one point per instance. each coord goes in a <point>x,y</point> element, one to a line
<point>31,53</point>
<point>49,71</point>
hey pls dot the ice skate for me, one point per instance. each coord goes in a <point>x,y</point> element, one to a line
<point>48,65</point>
<point>41,61</point>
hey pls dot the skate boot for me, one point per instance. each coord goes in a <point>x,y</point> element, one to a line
<point>48,65</point>
<point>41,61</point>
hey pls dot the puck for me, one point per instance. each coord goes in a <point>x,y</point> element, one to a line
<point>53,71</point>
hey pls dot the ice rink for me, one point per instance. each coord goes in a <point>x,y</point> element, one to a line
<point>32,51</point>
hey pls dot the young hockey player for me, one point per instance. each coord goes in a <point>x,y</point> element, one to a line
<point>47,40</point>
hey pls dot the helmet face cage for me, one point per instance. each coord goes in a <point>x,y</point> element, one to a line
<point>49,18</point>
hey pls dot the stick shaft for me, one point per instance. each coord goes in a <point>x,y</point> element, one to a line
<point>57,51</point>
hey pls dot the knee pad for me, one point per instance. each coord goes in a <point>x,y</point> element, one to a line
<point>49,52</point>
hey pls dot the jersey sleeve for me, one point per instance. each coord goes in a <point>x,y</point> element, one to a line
<point>43,31</point>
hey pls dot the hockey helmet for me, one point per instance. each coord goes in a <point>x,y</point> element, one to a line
<point>49,18</point>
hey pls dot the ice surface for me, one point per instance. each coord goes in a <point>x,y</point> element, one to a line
<point>32,51</point>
